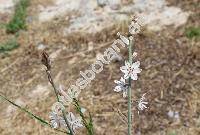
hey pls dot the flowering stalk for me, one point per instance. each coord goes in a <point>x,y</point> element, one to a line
<point>46,61</point>
<point>63,113</point>
<point>130,70</point>
<point>129,88</point>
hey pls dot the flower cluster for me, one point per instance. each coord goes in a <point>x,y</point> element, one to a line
<point>130,71</point>
<point>66,98</point>
<point>121,86</point>
<point>58,121</point>
<point>73,121</point>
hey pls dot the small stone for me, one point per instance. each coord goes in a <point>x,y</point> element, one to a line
<point>6,5</point>
<point>174,115</point>
<point>90,46</point>
<point>41,47</point>
<point>115,4</point>
<point>170,113</point>
<point>102,3</point>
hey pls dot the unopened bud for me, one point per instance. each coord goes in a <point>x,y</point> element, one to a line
<point>46,60</point>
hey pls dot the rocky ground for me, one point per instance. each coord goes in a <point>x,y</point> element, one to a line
<point>74,35</point>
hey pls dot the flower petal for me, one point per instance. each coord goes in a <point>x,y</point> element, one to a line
<point>54,124</point>
<point>117,82</point>
<point>134,76</point>
<point>117,89</point>
<point>124,69</point>
<point>71,116</point>
<point>144,102</point>
<point>122,80</point>
<point>125,93</point>
<point>137,70</point>
<point>126,75</point>
<point>135,64</point>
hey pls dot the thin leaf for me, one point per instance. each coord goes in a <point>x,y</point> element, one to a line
<point>30,114</point>
<point>88,126</point>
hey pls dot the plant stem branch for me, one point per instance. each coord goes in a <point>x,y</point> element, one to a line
<point>56,93</point>
<point>30,113</point>
<point>47,62</point>
<point>85,123</point>
<point>129,90</point>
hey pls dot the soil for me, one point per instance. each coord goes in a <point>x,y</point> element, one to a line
<point>170,76</point>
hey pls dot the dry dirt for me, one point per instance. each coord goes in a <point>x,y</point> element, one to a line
<point>171,76</point>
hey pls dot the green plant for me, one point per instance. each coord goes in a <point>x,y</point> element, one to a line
<point>2,25</point>
<point>18,21</point>
<point>9,45</point>
<point>30,114</point>
<point>88,125</point>
<point>46,61</point>
<point>66,119</point>
<point>61,115</point>
<point>129,90</point>
<point>131,69</point>
<point>70,122</point>
<point>193,32</point>
<point>172,133</point>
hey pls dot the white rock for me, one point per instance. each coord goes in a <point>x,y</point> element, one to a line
<point>176,115</point>
<point>156,14</point>
<point>173,114</point>
<point>114,4</point>
<point>170,113</point>
<point>41,46</point>
<point>6,5</point>
<point>60,7</point>
<point>102,2</point>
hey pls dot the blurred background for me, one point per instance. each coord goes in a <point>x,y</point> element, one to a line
<point>74,32</point>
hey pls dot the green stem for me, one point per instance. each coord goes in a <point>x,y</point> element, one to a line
<point>56,93</point>
<point>30,114</point>
<point>129,90</point>
<point>87,125</point>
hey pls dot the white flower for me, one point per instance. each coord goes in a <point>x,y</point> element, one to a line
<point>134,54</point>
<point>56,121</point>
<point>131,70</point>
<point>73,121</point>
<point>57,107</point>
<point>67,98</point>
<point>142,104</point>
<point>134,28</point>
<point>121,86</point>
<point>73,93</point>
